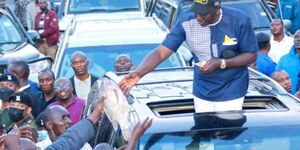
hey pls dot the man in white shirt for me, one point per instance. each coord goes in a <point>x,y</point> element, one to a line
<point>82,80</point>
<point>280,43</point>
<point>56,120</point>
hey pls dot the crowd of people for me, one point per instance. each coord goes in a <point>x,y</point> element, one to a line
<point>49,113</point>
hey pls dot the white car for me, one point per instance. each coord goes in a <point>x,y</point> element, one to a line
<point>103,9</point>
<point>103,40</point>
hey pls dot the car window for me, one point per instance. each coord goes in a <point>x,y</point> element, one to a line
<point>255,138</point>
<point>84,6</point>
<point>9,35</point>
<point>102,58</point>
<point>158,8</point>
<point>166,14</point>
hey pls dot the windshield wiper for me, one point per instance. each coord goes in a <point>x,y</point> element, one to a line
<point>2,43</point>
<point>125,9</point>
<point>97,9</point>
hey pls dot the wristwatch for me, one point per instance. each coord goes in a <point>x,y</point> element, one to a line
<point>223,64</point>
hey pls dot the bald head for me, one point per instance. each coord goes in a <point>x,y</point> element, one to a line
<point>78,54</point>
<point>51,113</point>
<point>283,79</point>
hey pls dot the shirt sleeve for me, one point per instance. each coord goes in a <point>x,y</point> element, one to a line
<point>75,137</point>
<point>248,42</point>
<point>175,38</point>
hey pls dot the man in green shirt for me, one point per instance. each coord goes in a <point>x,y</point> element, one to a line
<point>8,86</point>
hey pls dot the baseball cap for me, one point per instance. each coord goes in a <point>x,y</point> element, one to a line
<point>203,7</point>
<point>9,77</point>
<point>21,97</point>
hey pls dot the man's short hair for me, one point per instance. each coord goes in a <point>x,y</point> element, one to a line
<point>46,71</point>
<point>263,40</point>
<point>24,66</point>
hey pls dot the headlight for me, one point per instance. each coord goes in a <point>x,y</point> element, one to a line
<point>36,67</point>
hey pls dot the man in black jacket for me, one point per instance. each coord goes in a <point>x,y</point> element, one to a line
<point>82,80</point>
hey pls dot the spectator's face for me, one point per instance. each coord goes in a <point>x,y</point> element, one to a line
<point>276,27</point>
<point>46,81</point>
<point>123,64</point>
<point>43,4</point>
<point>297,39</point>
<point>63,90</point>
<point>210,18</point>
<point>80,65</point>
<point>284,80</point>
<point>61,122</point>
<point>10,85</point>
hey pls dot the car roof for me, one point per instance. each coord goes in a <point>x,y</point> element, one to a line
<point>168,99</point>
<point>114,32</point>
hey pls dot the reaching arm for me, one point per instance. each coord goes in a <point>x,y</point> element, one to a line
<point>149,63</point>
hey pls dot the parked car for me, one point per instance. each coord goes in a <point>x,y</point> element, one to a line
<point>16,43</point>
<point>168,12</point>
<point>121,8</point>
<point>103,40</point>
<point>269,119</point>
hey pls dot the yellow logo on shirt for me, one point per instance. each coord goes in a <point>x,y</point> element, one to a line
<point>228,41</point>
<point>201,1</point>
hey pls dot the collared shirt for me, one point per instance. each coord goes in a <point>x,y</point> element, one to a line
<point>82,87</point>
<point>24,87</point>
<point>265,64</point>
<point>278,49</point>
<point>45,143</point>
<point>75,109</point>
<point>42,104</point>
<point>233,32</point>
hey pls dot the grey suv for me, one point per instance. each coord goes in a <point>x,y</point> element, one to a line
<point>15,42</point>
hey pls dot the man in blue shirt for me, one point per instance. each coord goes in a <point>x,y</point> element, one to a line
<point>264,63</point>
<point>222,41</point>
<point>291,62</point>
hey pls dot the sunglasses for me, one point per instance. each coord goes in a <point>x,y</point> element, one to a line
<point>57,87</point>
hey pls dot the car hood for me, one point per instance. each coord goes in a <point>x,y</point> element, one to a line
<point>27,52</point>
<point>66,20</point>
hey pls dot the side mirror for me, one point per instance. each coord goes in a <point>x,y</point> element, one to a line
<point>34,35</point>
<point>287,24</point>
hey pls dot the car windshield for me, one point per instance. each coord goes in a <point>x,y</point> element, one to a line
<point>252,8</point>
<point>10,38</point>
<point>86,6</point>
<point>102,58</point>
<point>254,138</point>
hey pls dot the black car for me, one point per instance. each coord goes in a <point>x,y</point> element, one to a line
<point>269,119</point>
<point>16,43</point>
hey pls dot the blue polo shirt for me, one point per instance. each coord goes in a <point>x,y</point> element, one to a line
<point>265,64</point>
<point>232,32</point>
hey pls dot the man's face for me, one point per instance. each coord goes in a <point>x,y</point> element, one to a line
<point>10,85</point>
<point>43,4</point>
<point>276,27</point>
<point>123,64</point>
<point>79,65</point>
<point>297,39</point>
<point>46,81</point>
<point>63,90</point>
<point>61,122</point>
<point>284,80</point>
<point>209,18</point>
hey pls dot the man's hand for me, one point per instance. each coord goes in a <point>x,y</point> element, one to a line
<point>211,66</point>
<point>97,109</point>
<point>129,81</point>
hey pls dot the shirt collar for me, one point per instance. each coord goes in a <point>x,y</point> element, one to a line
<point>24,87</point>
<point>221,15</point>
